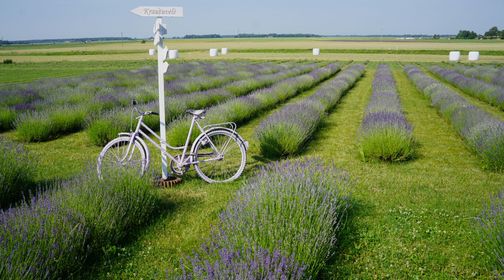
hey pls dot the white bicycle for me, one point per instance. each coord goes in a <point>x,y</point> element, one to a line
<point>218,154</point>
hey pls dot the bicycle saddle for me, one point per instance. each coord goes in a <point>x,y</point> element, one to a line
<point>197,113</point>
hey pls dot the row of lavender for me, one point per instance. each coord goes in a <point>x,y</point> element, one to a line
<point>281,225</point>
<point>489,93</point>
<point>101,87</point>
<point>66,108</point>
<point>491,229</point>
<point>482,131</point>
<point>105,128</point>
<point>181,77</point>
<point>487,73</point>
<point>52,235</point>
<point>241,109</point>
<point>40,126</point>
<point>285,132</point>
<point>17,173</point>
<point>385,133</point>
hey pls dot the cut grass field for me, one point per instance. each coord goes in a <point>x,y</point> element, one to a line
<point>360,49</point>
<point>408,220</point>
<point>200,55</point>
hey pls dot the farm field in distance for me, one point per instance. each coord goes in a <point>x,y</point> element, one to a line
<point>341,48</point>
<point>414,216</point>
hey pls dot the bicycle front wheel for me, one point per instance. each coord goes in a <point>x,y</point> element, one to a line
<point>219,156</point>
<point>119,154</point>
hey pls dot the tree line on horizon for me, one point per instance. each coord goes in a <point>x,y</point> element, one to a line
<point>492,33</point>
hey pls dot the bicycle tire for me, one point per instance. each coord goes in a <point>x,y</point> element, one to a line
<point>113,157</point>
<point>219,156</point>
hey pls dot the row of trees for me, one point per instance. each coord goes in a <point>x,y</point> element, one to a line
<point>492,33</point>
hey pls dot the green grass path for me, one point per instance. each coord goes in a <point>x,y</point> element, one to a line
<point>410,220</point>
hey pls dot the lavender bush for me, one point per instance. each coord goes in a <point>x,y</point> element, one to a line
<point>489,93</point>
<point>17,172</point>
<point>385,133</point>
<point>105,128</point>
<point>487,73</point>
<point>99,93</point>
<point>286,131</point>
<point>110,207</point>
<point>244,108</point>
<point>51,236</point>
<point>491,229</point>
<point>482,131</point>
<point>41,240</point>
<point>217,75</point>
<point>42,126</point>
<point>290,208</point>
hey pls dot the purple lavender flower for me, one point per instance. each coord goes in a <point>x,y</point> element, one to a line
<point>489,93</point>
<point>487,73</point>
<point>385,133</point>
<point>244,264</point>
<point>40,239</point>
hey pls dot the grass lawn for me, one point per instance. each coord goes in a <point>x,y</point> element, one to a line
<point>26,72</point>
<point>409,220</point>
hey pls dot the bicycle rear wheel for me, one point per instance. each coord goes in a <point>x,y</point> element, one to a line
<point>115,156</point>
<point>219,156</point>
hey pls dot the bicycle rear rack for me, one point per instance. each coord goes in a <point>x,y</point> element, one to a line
<point>229,125</point>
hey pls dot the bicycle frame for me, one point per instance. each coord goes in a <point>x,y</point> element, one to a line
<point>185,158</point>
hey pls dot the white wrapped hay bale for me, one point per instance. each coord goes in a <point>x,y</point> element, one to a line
<point>316,51</point>
<point>454,56</point>
<point>172,54</point>
<point>473,56</point>
<point>213,52</point>
<point>224,51</point>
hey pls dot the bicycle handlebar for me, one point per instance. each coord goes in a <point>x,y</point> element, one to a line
<point>146,113</point>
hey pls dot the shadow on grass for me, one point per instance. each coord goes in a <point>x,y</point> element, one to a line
<point>347,241</point>
<point>36,187</point>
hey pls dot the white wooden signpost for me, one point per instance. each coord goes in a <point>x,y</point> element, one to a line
<point>159,30</point>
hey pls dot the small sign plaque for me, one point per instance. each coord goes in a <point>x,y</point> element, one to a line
<point>159,11</point>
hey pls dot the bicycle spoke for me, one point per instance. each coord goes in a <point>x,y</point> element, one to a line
<point>116,157</point>
<point>220,158</point>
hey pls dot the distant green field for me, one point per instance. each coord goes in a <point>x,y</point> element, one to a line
<point>340,48</point>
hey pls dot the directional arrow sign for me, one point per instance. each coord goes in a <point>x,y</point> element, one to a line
<point>159,11</point>
<point>159,27</point>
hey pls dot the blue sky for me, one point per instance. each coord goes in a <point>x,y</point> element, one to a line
<point>35,19</point>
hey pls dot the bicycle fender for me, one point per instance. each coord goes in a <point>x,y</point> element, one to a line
<point>238,136</point>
